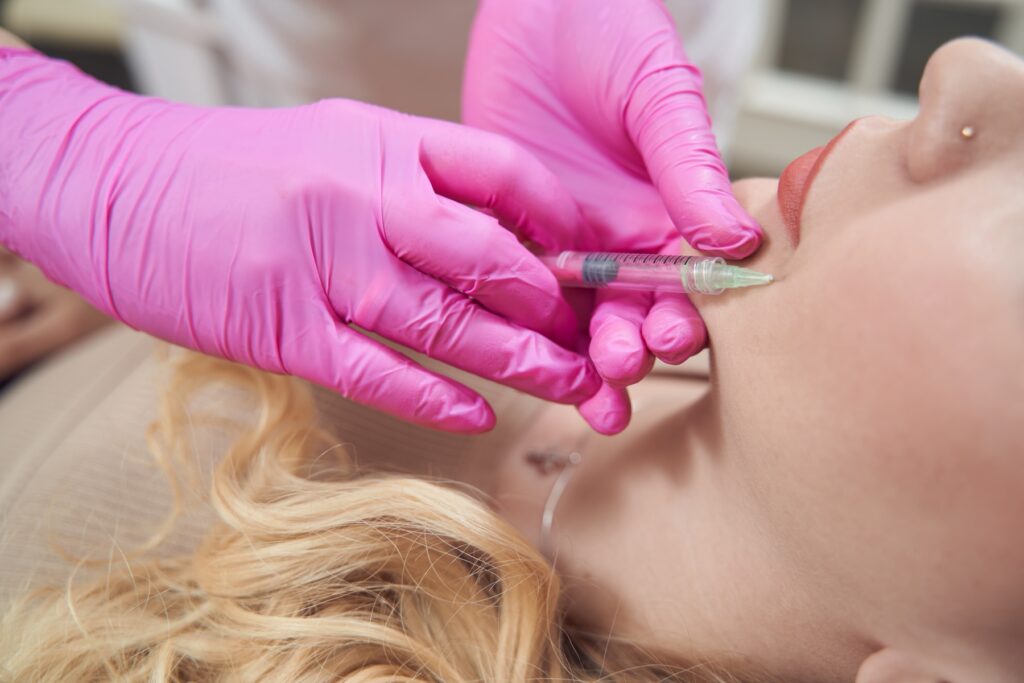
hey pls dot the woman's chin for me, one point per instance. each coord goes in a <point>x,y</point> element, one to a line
<point>727,316</point>
<point>759,196</point>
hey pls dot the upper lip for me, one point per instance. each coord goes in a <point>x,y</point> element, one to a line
<point>793,194</point>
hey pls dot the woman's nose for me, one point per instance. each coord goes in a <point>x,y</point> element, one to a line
<point>972,93</point>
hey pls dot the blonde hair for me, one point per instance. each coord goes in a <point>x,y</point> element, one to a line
<point>313,572</point>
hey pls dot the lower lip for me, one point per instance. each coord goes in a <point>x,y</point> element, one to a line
<point>793,185</point>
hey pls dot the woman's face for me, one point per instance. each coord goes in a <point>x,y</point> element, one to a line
<point>881,378</point>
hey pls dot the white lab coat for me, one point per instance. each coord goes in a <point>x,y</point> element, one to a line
<point>407,54</point>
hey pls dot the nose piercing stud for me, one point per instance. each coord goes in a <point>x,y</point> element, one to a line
<point>967,133</point>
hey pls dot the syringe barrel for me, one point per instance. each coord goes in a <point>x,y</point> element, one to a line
<point>640,272</point>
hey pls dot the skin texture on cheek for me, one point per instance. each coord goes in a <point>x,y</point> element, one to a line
<point>865,395</point>
<point>872,398</point>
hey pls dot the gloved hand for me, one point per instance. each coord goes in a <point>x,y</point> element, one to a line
<point>263,236</point>
<point>602,92</point>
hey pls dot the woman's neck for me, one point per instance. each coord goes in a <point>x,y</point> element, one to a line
<point>656,533</point>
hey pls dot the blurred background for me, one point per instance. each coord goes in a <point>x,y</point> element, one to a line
<point>822,63</point>
<point>86,32</point>
<point>781,77</point>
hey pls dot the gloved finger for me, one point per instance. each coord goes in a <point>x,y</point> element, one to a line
<point>450,327</point>
<point>673,329</point>
<point>666,117</point>
<point>608,411</point>
<point>470,252</point>
<point>487,170</point>
<point>616,343</point>
<point>367,372</point>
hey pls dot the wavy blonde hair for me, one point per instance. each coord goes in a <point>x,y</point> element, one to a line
<point>313,572</point>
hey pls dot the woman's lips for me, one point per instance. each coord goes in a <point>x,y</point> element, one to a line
<point>795,183</point>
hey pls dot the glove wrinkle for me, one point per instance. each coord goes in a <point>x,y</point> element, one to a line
<point>252,233</point>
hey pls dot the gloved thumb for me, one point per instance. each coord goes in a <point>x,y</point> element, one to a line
<point>666,117</point>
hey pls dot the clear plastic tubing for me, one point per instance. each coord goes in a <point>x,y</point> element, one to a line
<point>651,272</point>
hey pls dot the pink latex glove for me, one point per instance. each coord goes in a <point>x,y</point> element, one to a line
<point>602,92</point>
<point>263,236</point>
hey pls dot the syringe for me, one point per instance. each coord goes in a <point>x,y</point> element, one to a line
<point>651,272</point>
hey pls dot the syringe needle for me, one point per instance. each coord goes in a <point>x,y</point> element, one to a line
<point>734,277</point>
